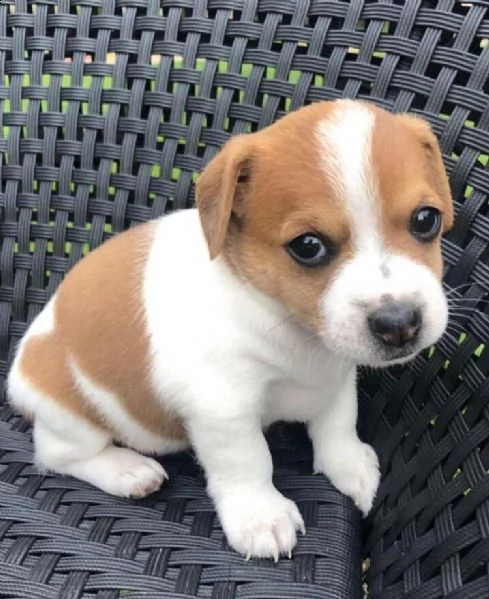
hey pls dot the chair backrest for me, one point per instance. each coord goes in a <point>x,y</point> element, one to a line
<point>111,107</point>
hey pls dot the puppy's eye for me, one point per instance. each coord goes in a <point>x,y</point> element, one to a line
<point>425,224</point>
<point>310,250</point>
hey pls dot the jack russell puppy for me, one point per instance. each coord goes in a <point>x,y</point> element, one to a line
<point>314,248</point>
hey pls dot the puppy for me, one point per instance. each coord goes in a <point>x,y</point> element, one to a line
<point>314,248</point>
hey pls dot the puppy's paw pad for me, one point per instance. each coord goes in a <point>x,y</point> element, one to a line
<point>262,526</point>
<point>354,472</point>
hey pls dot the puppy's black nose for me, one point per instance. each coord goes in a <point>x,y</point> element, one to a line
<point>395,323</point>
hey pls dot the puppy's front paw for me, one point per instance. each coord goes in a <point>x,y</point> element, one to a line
<point>261,524</point>
<point>353,468</point>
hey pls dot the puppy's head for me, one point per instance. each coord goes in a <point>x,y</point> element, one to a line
<point>337,212</point>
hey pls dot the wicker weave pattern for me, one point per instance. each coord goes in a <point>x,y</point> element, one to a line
<point>114,136</point>
<point>61,538</point>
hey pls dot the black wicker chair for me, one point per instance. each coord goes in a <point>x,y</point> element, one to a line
<point>110,108</point>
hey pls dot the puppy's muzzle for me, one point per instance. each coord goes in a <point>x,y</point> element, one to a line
<point>396,324</point>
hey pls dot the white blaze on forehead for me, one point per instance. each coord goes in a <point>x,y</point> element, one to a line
<point>346,146</point>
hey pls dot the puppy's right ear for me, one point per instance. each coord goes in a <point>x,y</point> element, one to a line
<point>220,190</point>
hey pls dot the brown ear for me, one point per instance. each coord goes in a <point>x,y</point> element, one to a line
<point>430,144</point>
<point>220,190</point>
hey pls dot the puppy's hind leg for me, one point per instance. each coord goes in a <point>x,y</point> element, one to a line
<point>88,453</point>
<point>68,443</point>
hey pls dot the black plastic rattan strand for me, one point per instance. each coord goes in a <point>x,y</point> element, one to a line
<point>109,110</point>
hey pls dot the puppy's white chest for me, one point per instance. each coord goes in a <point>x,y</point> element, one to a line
<point>289,400</point>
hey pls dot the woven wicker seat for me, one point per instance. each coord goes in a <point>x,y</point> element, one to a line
<point>109,109</point>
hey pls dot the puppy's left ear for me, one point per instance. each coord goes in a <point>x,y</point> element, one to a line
<point>220,190</point>
<point>430,145</point>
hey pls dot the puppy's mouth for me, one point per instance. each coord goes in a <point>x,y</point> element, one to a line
<point>374,355</point>
<point>399,355</point>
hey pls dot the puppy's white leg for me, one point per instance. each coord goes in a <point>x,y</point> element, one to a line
<point>352,466</point>
<point>88,454</point>
<point>257,519</point>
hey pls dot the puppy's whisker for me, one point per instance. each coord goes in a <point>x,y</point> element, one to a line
<point>280,323</point>
<point>451,331</point>
<point>448,335</point>
<point>463,308</point>
<point>466,310</point>
<point>455,289</point>
<point>465,300</point>
<point>474,307</point>
<point>457,332</point>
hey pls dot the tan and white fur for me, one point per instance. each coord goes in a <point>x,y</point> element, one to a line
<point>200,328</point>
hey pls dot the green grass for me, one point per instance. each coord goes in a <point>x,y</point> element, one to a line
<point>60,82</point>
